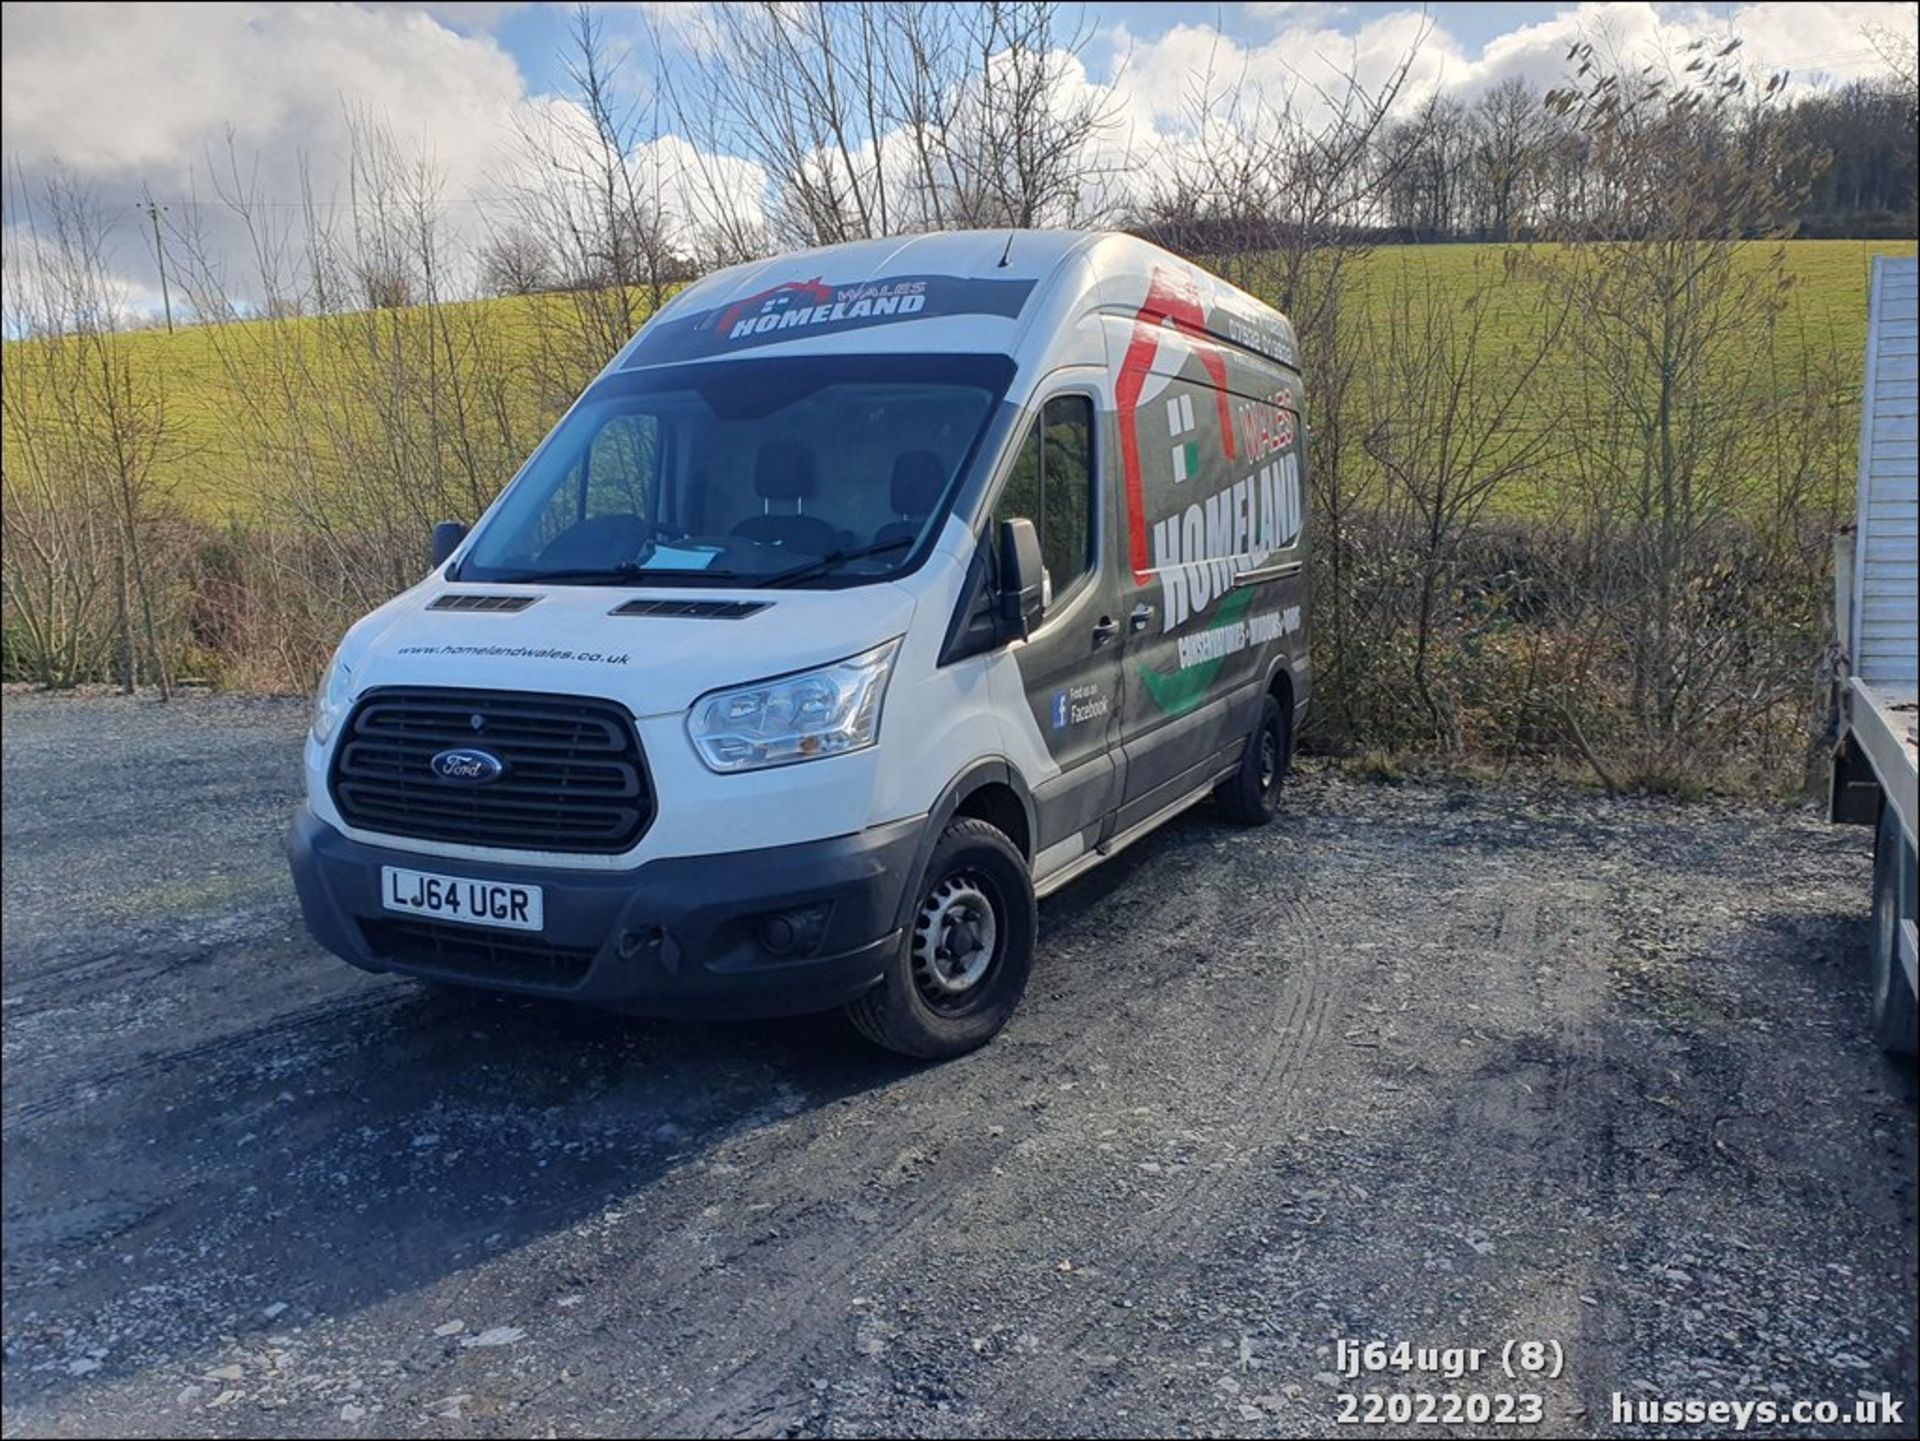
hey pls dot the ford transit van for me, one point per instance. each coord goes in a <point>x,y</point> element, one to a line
<point>866,596</point>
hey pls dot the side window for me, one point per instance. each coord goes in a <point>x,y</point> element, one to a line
<point>1052,485</point>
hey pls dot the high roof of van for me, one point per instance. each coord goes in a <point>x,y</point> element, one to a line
<point>996,291</point>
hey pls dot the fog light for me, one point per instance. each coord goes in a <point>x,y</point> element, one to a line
<point>795,932</point>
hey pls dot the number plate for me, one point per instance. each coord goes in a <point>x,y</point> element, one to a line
<point>457,898</point>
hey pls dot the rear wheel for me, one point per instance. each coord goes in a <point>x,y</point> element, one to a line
<point>1251,795</point>
<point>1893,999</point>
<point>963,964</point>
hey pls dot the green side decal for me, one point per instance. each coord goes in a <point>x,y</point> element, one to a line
<point>1180,692</point>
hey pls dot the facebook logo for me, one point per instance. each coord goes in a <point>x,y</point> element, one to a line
<point>1059,710</point>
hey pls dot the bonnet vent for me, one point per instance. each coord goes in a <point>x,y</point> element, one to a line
<point>693,609</point>
<point>483,602</point>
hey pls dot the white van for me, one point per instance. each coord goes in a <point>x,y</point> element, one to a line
<point>867,595</point>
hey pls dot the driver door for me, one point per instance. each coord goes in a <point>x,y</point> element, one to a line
<point>1070,664</point>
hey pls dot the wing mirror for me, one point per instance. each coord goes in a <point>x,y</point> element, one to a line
<point>447,536</point>
<point>1023,579</point>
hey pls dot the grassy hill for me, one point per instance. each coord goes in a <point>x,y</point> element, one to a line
<point>1829,296</point>
<point>378,388</point>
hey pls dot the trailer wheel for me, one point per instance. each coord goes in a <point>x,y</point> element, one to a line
<point>1893,999</point>
<point>1251,795</point>
<point>963,964</point>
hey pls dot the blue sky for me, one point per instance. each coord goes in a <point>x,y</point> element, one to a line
<point>535,34</point>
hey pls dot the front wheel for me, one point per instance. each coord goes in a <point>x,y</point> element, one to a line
<point>963,964</point>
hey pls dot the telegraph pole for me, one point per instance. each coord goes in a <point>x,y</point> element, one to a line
<point>159,255</point>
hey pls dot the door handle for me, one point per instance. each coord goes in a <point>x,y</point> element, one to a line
<point>1140,618</point>
<point>1105,629</point>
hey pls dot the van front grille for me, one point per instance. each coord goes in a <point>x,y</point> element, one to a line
<point>571,775</point>
<point>477,954</point>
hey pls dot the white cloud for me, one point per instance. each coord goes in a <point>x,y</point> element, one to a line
<point>1316,43</point>
<point>144,91</point>
<point>463,14</point>
<point>139,98</point>
<point>142,95</point>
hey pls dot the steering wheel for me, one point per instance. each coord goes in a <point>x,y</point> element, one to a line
<point>600,540</point>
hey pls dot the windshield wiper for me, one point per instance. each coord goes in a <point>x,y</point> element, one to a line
<point>831,559</point>
<point>626,573</point>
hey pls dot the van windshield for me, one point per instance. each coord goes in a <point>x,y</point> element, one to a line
<point>806,471</point>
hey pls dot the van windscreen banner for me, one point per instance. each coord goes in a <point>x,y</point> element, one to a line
<point>798,309</point>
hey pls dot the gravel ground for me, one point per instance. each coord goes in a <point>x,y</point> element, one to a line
<point>1452,1066</point>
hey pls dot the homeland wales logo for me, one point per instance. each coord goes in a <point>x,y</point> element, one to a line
<point>801,304</point>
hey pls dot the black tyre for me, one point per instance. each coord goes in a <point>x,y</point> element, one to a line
<point>963,964</point>
<point>1893,1000</point>
<point>1251,795</point>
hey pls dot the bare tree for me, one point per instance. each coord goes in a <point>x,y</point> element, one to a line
<point>1508,143</point>
<point>515,261</point>
<point>1450,372</point>
<point>1021,145</point>
<point>897,116</point>
<point>89,439</point>
<point>366,425</point>
<point>587,215</point>
<point>1429,155</point>
<point>798,90</point>
<point>1675,304</point>
<point>1899,52</point>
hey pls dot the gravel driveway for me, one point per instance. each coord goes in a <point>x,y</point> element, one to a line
<point>1452,1066</point>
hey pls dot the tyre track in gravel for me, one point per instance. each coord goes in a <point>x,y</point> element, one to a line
<point>1059,1379</point>
<point>1290,1024</point>
<point>758,1388</point>
<point>1187,1231</point>
<point>1517,926</point>
<point>66,972</point>
<point>1542,1100</point>
<point>1582,1158</point>
<point>229,1058</point>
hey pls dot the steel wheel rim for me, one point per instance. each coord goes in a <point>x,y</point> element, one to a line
<point>957,940</point>
<point>1273,749</point>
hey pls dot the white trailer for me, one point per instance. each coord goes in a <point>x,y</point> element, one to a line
<point>1876,605</point>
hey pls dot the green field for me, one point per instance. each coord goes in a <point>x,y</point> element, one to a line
<point>1829,295</point>
<point>214,378</point>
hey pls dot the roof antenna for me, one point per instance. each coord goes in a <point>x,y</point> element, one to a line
<point>1007,252</point>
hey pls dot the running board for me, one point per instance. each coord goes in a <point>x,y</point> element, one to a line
<point>1087,860</point>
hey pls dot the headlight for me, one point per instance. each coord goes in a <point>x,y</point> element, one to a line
<point>825,712</point>
<point>331,699</point>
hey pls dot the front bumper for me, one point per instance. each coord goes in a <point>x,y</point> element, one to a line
<point>678,936</point>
